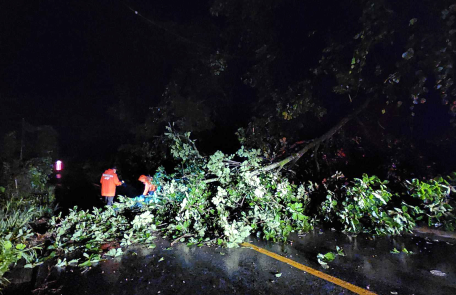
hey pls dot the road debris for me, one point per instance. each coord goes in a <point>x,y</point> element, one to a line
<point>438,273</point>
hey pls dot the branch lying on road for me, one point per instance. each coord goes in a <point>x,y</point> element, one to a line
<point>183,236</point>
<point>312,145</point>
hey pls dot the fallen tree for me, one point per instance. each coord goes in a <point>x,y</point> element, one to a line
<point>243,202</point>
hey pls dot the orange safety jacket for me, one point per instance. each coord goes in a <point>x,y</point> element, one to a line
<point>148,186</point>
<point>109,181</point>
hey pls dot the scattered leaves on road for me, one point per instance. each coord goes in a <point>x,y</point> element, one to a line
<point>438,273</point>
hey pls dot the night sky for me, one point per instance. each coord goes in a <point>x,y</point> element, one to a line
<point>69,63</point>
<point>66,63</point>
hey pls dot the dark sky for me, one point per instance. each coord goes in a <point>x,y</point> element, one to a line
<point>65,63</point>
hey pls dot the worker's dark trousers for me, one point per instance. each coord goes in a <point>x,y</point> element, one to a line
<point>108,200</point>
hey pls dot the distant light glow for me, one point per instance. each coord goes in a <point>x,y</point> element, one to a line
<point>58,165</point>
<point>59,176</point>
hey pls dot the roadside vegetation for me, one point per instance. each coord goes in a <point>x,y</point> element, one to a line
<point>21,212</point>
<point>17,238</point>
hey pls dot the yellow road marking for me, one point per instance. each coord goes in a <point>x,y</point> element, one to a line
<point>321,275</point>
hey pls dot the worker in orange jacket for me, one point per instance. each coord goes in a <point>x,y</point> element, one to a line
<point>109,180</point>
<point>149,188</point>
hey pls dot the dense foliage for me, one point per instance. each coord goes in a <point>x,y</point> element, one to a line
<point>18,240</point>
<point>222,199</point>
<point>25,196</point>
<point>369,205</point>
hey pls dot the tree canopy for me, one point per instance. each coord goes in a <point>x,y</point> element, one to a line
<point>367,83</point>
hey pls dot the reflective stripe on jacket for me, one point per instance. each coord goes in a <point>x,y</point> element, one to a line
<point>109,181</point>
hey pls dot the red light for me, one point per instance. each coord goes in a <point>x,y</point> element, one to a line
<point>58,165</point>
<point>59,176</point>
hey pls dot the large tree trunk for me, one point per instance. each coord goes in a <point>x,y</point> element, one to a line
<point>316,142</point>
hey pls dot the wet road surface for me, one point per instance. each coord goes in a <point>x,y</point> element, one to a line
<point>180,269</point>
<point>369,263</point>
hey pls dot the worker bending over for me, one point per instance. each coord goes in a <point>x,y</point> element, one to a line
<point>149,188</point>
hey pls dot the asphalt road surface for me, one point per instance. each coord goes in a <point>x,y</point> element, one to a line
<point>368,264</point>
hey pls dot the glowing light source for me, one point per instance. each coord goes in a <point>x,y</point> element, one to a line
<point>58,165</point>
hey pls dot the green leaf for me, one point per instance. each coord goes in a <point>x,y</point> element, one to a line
<point>73,262</point>
<point>278,275</point>
<point>395,251</point>
<point>330,256</point>
<point>20,246</point>
<point>87,263</point>
<point>340,251</point>
<point>161,259</point>
<point>111,252</point>
<point>7,245</point>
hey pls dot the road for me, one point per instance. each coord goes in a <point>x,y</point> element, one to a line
<point>368,264</point>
